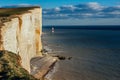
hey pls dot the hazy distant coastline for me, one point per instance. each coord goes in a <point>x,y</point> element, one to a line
<point>86,27</point>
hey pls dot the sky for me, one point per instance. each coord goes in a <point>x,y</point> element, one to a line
<point>56,3</point>
<point>74,12</point>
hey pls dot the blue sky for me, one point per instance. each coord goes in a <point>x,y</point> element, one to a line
<point>56,3</point>
<point>75,12</point>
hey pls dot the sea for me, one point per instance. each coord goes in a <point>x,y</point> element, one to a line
<point>95,52</point>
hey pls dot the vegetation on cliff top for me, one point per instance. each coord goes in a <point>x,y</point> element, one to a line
<point>6,12</point>
<point>11,69</point>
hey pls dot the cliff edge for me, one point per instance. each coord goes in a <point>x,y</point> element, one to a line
<point>20,31</point>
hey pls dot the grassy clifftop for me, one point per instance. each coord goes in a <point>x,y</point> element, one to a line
<point>6,12</point>
<point>11,69</point>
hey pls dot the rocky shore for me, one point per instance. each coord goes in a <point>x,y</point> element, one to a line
<point>40,66</point>
<point>43,67</point>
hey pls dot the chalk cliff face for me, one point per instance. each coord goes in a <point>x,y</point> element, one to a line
<point>21,35</point>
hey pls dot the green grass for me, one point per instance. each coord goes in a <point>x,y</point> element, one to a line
<point>6,12</point>
<point>11,69</point>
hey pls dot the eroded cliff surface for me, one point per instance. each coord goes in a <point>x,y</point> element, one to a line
<point>20,33</point>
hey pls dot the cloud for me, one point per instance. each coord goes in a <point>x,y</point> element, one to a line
<point>18,5</point>
<point>95,5</point>
<point>57,9</point>
<point>82,11</point>
<point>24,5</point>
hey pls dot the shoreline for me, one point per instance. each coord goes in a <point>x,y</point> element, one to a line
<point>50,72</point>
<point>47,51</point>
<point>46,64</point>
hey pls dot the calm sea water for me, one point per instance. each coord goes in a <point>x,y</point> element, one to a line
<point>95,52</point>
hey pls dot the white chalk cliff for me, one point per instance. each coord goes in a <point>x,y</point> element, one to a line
<point>21,34</point>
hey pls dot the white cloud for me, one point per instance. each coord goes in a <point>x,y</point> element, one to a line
<point>57,9</point>
<point>88,14</point>
<point>24,4</point>
<point>19,5</point>
<point>63,15</point>
<point>118,6</point>
<point>95,5</point>
<point>89,10</point>
<point>71,7</point>
<point>115,12</point>
<point>27,5</point>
